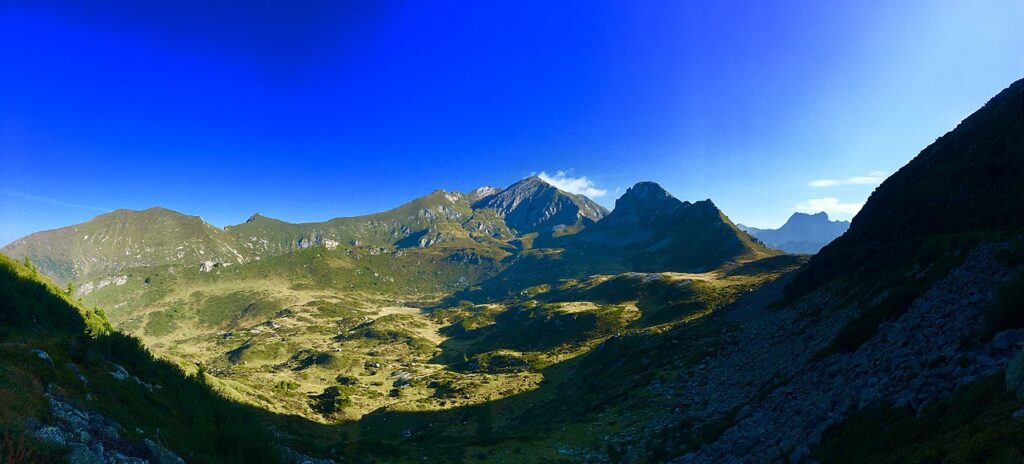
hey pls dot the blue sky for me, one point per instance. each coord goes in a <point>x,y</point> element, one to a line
<point>307,112</point>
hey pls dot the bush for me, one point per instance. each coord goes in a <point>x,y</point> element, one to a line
<point>1007,311</point>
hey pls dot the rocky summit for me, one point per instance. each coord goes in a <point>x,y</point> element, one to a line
<point>532,205</point>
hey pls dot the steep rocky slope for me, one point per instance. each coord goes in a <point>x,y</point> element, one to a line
<point>532,205</point>
<point>911,313</point>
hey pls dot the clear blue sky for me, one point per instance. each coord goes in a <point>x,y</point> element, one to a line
<point>305,113</point>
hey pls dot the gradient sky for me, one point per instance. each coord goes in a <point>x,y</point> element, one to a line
<point>304,113</point>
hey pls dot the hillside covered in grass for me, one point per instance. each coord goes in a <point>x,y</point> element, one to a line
<point>72,387</point>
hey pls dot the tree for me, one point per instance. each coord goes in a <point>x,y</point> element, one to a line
<point>28,265</point>
<point>70,290</point>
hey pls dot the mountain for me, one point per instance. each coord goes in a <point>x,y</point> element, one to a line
<point>903,339</point>
<point>651,229</point>
<point>476,221</point>
<point>648,231</point>
<point>122,239</point>
<point>434,218</point>
<point>532,205</point>
<point>963,189</point>
<point>802,233</point>
<point>659,333</point>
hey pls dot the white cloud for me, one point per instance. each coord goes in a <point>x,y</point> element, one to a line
<point>873,178</point>
<point>829,205</point>
<point>578,185</point>
<point>51,201</point>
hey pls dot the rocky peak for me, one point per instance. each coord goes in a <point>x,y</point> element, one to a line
<point>532,205</point>
<point>644,201</point>
<point>482,192</point>
<point>805,218</point>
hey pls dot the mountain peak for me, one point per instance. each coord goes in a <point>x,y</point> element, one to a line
<point>802,233</point>
<point>531,180</point>
<point>647,190</point>
<point>532,205</point>
<point>482,192</point>
<point>646,198</point>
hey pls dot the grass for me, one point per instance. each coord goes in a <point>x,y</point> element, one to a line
<point>973,425</point>
<point>191,418</point>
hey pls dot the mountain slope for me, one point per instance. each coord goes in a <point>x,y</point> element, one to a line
<point>802,233</point>
<point>651,229</point>
<point>73,390</point>
<point>123,239</point>
<point>892,343</point>
<point>963,188</point>
<point>424,221</point>
<point>532,205</point>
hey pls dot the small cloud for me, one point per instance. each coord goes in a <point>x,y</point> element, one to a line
<point>873,178</point>
<point>578,185</point>
<point>52,201</point>
<point>829,205</point>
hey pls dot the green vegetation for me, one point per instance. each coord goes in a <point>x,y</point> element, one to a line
<point>190,418</point>
<point>974,425</point>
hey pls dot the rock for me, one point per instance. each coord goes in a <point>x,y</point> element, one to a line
<point>207,266</point>
<point>51,434</point>
<point>74,369</point>
<point>42,355</point>
<point>81,454</point>
<point>1015,375</point>
<point>162,455</point>
<point>119,373</point>
<point>799,454</point>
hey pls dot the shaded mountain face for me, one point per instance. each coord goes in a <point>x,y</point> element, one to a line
<point>651,228</point>
<point>648,231</point>
<point>802,233</point>
<point>532,205</point>
<point>963,189</point>
<point>124,239</point>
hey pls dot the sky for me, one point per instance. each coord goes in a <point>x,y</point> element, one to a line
<point>306,111</point>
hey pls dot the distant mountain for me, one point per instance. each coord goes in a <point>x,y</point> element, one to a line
<point>802,233</point>
<point>532,205</point>
<point>480,219</point>
<point>124,239</point>
<point>431,219</point>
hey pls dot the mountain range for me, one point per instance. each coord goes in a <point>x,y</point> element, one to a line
<point>648,224</point>
<point>528,324</point>
<point>802,233</point>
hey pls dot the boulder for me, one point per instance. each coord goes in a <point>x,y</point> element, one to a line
<point>42,355</point>
<point>1015,375</point>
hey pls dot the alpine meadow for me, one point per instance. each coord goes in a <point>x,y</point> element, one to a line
<point>503,233</point>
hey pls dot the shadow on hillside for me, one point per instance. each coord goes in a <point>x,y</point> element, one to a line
<point>575,391</point>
